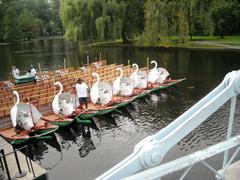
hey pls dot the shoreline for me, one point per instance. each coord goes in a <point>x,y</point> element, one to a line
<point>204,45</point>
<point>198,42</point>
<point>32,40</point>
<point>207,43</point>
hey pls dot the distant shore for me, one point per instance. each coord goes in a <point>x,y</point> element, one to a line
<point>199,42</point>
<point>33,40</point>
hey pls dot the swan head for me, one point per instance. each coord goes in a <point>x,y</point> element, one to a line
<point>15,93</point>
<point>58,83</point>
<point>135,65</point>
<point>96,75</point>
<point>121,71</point>
<point>154,62</point>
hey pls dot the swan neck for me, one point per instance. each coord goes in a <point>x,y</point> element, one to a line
<point>155,67</point>
<point>121,72</point>
<point>18,98</point>
<point>135,65</point>
<point>98,78</point>
<point>136,69</point>
<point>61,89</point>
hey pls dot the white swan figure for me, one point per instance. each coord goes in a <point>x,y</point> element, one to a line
<point>14,109</point>
<point>126,86</point>
<point>24,114</point>
<point>116,83</point>
<point>157,75</point>
<point>139,78</point>
<point>100,91</point>
<point>134,75</point>
<point>63,103</point>
<point>55,103</point>
<point>94,92</point>
<point>153,74</point>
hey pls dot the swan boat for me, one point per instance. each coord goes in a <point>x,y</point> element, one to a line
<point>26,123</point>
<point>101,92</point>
<point>64,107</point>
<point>24,79</point>
<point>122,90</point>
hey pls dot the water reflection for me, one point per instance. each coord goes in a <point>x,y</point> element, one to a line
<point>87,145</point>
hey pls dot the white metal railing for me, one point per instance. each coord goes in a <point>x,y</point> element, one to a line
<point>150,151</point>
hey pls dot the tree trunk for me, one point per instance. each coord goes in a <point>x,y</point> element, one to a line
<point>124,38</point>
<point>221,35</point>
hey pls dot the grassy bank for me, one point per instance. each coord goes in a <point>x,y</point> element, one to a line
<point>208,42</point>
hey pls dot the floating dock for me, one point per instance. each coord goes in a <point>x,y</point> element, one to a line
<point>29,168</point>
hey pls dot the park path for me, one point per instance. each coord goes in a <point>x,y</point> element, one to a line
<point>226,46</point>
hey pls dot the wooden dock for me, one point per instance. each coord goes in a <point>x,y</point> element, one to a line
<point>12,165</point>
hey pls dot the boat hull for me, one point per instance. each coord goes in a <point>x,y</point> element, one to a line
<point>57,120</point>
<point>42,129</point>
<point>24,79</point>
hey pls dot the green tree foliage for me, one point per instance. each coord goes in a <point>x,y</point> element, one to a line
<point>24,19</point>
<point>29,26</point>
<point>153,21</point>
<point>226,16</point>
<point>133,24</point>
<point>92,19</point>
<point>157,21</point>
<point>183,18</point>
<point>10,25</point>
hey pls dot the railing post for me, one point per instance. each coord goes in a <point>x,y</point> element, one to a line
<point>88,61</point>
<point>1,163</point>
<point>64,64</point>
<point>230,125</point>
<point>5,163</point>
<point>30,154</point>
<point>27,159</point>
<point>20,173</point>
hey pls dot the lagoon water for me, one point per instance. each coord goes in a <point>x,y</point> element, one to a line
<point>73,154</point>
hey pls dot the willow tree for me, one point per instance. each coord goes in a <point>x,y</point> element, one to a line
<point>180,18</point>
<point>92,19</point>
<point>156,21</point>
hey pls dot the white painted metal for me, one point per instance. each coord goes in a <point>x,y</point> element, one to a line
<point>186,161</point>
<point>230,126</point>
<point>151,150</point>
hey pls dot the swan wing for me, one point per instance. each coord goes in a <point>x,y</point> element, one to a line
<point>152,76</point>
<point>70,98</point>
<point>94,93</point>
<point>126,86</point>
<point>105,92</point>
<point>116,86</point>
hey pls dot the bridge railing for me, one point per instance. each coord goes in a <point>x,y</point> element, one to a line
<point>150,151</point>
